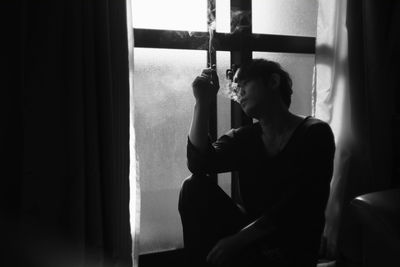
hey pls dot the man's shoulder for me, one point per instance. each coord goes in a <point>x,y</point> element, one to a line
<point>311,121</point>
<point>318,131</point>
<point>314,124</point>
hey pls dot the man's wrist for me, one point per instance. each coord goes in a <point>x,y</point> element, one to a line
<point>250,234</point>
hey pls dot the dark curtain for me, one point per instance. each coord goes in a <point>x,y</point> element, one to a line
<point>373,56</point>
<point>357,53</point>
<point>65,134</point>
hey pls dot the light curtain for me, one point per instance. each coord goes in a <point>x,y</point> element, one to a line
<point>134,181</point>
<point>353,92</point>
<point>330,102</point>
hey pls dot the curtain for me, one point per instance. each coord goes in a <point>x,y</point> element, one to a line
<point>134,177</point>
<point>354,92</point>
<point>66,136</point>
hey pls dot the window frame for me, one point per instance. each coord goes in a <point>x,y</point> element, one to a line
<point>240,44</point>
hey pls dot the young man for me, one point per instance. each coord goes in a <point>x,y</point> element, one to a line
<point>285,164</point>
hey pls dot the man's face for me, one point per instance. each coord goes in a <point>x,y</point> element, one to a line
<point>250,95</point>
<point>253,97</point>
<point>256,96</point>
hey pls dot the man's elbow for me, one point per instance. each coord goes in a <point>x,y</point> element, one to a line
<point>196,167</point>
<point>193,168</point>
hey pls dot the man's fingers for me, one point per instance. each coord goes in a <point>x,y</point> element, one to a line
<point>199,80</point>
<point>210,255</point>
<point>206,72</point>
<point>209,72</point>
<point>211,76</point>
<point>207,79</point>
<point>216,256</point>
<point>213,255</point>
<point>218,259</point>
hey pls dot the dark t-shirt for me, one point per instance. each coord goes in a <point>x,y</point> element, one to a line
<point>288,191</point>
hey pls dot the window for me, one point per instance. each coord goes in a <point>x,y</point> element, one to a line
<point>171,47</point>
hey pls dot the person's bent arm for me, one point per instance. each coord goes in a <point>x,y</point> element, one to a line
<point>198,133</point>
<point>205,88</point>
<point>203,156</point>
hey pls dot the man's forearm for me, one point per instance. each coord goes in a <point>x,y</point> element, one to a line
<point>198,133</point>
<point>251,234</point>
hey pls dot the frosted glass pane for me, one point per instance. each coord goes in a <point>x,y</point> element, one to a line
<point>300,67</point>
<point>223,112</point>
<point>288,17</point>
<point>170,15</point>
<point>163,108</point>
<point>223,15</point>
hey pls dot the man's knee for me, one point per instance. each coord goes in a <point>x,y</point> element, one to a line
<point>196,184</point>
<point>192,189</point>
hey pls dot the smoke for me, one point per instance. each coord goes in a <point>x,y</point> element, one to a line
<point>211,29</point>
<point>240,21</point>
<point>230,91</point>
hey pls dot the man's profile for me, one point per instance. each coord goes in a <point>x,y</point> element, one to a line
<point>284,162</point>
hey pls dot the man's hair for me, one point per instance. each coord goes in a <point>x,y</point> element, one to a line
<point>262,69</point>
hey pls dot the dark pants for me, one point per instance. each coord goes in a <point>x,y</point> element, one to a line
<point>208,214</point>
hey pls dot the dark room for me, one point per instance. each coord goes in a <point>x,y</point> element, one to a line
<point>204,133</point>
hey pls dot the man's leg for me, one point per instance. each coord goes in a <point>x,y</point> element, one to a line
<point>208,214</point>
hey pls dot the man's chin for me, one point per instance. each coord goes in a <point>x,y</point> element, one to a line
<point>250,112</point>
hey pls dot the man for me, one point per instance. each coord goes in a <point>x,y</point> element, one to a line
<point>285,164</point>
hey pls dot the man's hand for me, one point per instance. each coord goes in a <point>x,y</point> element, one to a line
<point>205,86</point>
<point>225,251</point>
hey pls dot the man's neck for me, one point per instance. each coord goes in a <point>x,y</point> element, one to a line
<point>278,123</point>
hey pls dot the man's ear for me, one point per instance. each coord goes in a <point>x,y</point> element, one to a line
<point>275,80</point>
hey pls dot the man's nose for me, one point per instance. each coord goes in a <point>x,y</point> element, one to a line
<point>241,92</point>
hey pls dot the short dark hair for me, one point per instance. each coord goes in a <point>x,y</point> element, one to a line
<point>262,69</point>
